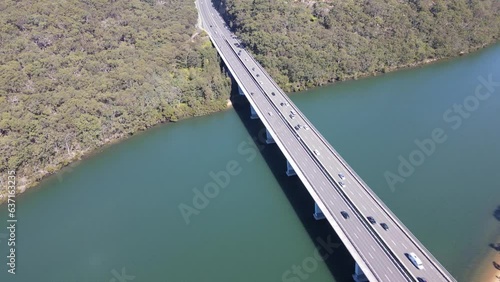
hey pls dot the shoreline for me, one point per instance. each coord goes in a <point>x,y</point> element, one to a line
<point>25,182</point>
<point>486,271</point>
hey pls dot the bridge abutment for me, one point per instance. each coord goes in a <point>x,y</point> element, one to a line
<point>318,214</point>
<point>289,169</point>
<point>358,275</point>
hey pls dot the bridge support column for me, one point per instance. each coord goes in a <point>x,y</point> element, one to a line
<point>289,169</point>
<point>269,138</point>
<point>358,275</point>
<point>253,114</point>
<point>318,214</point>
<point>240,91</point>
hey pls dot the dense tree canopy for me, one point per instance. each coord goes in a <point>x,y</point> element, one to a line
<point>309,43</point>
<point>75,74</point>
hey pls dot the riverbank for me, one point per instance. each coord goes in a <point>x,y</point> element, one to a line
<point>486,272</point>
<point>27,182</point>
<point>24,182</point>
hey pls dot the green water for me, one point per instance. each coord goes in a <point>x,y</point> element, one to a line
<point>118,212</point>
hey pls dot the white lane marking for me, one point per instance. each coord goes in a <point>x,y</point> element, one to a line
<point>323,182</point>
<point>359,230</point>
<point>370,254</point>
<point>363,206</point>
<point>321,188</point>
<point>390,270</point>
<point>356,235</point>
<point>386,277</point>
<point>404,246</point>
<point>331,202</point>
<point>394,243</point>
<point>373,248</point>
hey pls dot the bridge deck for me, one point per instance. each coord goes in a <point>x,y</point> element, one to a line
<point>380,253</point>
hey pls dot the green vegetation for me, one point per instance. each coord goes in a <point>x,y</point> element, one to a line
<point>305,44</point>
<point>76,74</point>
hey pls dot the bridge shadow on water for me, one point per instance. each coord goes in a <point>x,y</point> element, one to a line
<point>339,261</point>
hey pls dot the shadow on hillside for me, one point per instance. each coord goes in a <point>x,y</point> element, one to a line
<point>339,261</point>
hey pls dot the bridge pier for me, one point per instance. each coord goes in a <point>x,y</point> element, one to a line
<point>358,275</point>
<point>269,138</point>
<point>289,169</point>
<point>318,214</point>
<point>253,114</point>
<point>240,91</point>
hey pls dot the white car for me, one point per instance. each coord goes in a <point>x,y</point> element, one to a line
<point>415,260</point>
<point>341,176</point>
<point>316,152</point>
<point>271,114</point>
<point>342,184</point>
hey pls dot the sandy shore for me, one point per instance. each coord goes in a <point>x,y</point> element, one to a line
<point>487,272</point>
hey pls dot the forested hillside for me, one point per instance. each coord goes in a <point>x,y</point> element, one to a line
<point>308,43</point>
<point>76,74</point>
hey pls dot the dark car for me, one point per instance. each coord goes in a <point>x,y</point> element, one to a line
<point>272,93</point>
<point>384,226</point>
<point>371,220</point>
<point>421,279</point>
<point>344,214</point>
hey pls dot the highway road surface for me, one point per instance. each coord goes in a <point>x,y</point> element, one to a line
<point>380,252</point>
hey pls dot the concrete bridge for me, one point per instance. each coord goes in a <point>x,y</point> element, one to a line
<point>378,241</point>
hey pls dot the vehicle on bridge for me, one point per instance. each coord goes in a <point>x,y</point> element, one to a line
<point>415,260</point>
<point>344,214</point>
<point>371,220</point>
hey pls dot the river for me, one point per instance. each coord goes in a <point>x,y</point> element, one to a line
<point>127,213</point>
